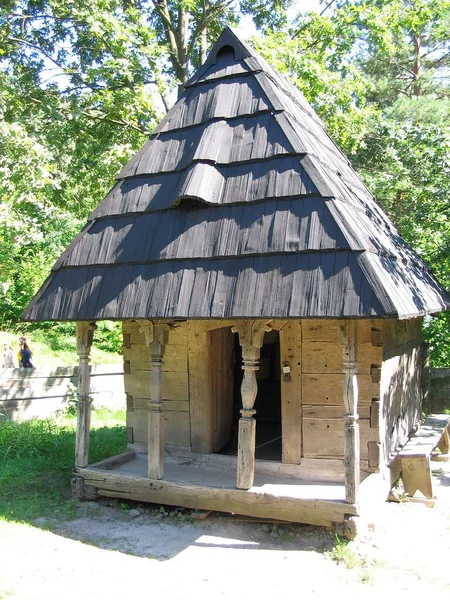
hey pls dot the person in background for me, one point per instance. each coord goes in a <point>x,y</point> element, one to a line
<point>22,341</point>
<point>26,357</point>
<point>8,362</point>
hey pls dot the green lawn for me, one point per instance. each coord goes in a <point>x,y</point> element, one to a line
<point>36,461</point>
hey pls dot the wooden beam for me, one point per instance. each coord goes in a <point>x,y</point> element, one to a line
<point>349,342</point>
<point>251,335</point>
<point>252,502</point>
<point>85,334</point>
<point>156,338</point>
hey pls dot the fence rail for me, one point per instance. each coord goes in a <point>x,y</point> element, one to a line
<point>28,393</point>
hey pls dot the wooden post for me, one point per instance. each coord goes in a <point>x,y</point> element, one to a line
<point>251,335</point>
<point>156,337</point>
<point>85,334</point>
<point>348,331</point>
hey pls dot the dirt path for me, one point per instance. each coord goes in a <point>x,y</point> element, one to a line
<point>107,554</point>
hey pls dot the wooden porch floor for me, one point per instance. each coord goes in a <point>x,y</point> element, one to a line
<point>210,483</point>
<point>183,470</point>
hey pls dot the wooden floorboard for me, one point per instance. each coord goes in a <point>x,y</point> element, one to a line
<point>273,497</point>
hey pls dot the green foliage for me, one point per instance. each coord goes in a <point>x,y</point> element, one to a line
<point>377,74</point>
<point>436,332</point>
<point>55,344</point>
<point>108,336</point>
<point>407,166</point>
<point>81,84</point>
<point>36,461</point>
<point>318,62</point>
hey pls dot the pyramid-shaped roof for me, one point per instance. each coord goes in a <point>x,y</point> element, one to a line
<point>239,206</point>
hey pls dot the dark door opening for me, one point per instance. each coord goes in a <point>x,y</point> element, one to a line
<point>268,400</point>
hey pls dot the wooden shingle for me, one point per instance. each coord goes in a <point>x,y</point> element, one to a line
<point>240,205</point>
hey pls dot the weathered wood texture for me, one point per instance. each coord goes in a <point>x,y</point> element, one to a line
<point>246,502</point>
<point>251,336</point>
<point>433,433</point>
<point>220,347</point>
<point>156,338</point>
<point>291,392</point>
<point>401,397</point>
<point>323,388</point>
<point>174,385</point>
<point>199,389</point>
<point>310,469</point>
<point>85,333</point>
<point>349,343</point>
<point>196,417</point>
<point>415,456</point>
<point>291,229</point>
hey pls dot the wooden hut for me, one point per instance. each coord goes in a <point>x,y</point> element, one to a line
<point>271,312</point>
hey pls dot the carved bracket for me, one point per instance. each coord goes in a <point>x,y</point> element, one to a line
<point>251,336</point>
<point>85,336</point>
<point>155,332</point>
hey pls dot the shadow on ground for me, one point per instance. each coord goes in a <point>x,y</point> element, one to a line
<point>160,534</point>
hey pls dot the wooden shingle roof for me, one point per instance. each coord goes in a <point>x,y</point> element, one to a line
<point>239,205</point>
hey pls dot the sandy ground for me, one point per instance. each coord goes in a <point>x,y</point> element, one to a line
<point>107,554</point>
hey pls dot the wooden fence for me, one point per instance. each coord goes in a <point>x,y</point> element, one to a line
<point>28,393</point>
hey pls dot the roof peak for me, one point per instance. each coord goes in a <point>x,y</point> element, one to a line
<point>228,37</point>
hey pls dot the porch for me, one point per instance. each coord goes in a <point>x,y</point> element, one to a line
<point>295,493</point>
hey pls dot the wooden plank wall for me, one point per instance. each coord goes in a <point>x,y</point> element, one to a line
<point>401,395</point>
<point>175,393</point>
<point>322,389</point>
<point>291,392</point>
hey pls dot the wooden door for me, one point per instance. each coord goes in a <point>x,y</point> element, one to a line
<point>221,374</point>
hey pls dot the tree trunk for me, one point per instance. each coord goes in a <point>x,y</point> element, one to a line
<point>183,35</point>
<point>417,67</point>
<point>203,40</point>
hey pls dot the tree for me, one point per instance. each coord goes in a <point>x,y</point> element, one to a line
<point>377,73</point>
<point>404,47</point>
<point>82,84</point>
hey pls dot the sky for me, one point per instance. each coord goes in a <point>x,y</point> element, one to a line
<point>246,28</point>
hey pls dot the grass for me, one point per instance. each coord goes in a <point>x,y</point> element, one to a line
<point>346,553</point>
<point>36,461</point>
<point>343,553</point>
<point>56,350</point>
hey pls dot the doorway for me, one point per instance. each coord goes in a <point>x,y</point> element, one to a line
<point>268,400</point>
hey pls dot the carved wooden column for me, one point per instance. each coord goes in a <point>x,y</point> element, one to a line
<point>348,331</point>
<point>251,335</point>
<point>85,334</point>
<point>156,337</point>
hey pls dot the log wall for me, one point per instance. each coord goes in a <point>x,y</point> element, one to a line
<point>322,389</point>
<point>312,401</point>
<point>175,390</point>
<point>401,396</point>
